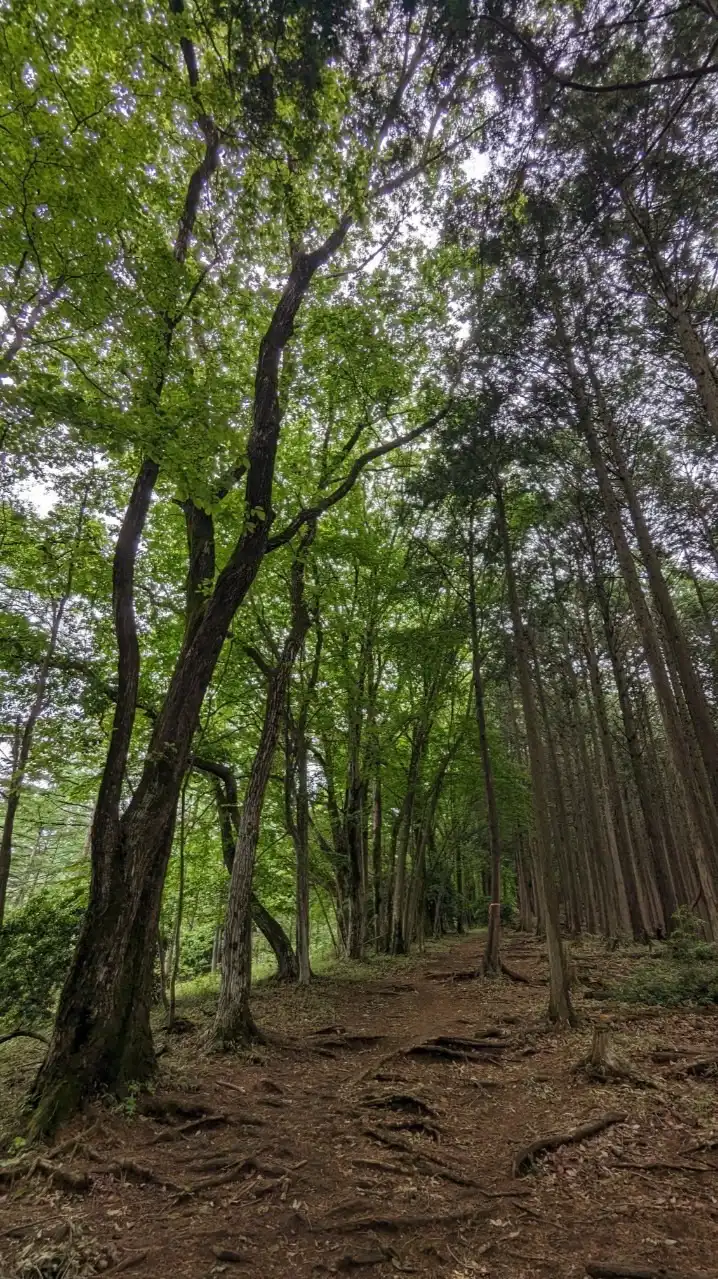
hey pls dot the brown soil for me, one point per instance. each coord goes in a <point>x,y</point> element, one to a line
<point>337,1151</point>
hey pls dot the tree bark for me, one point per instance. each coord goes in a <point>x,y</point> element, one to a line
<point>228,813</point>
<point>491,963</point>
<point>233,1022</point>
<point>102,1034</point>
<point>560,1009</point>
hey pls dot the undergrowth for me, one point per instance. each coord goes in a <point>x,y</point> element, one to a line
<point>686,971</point>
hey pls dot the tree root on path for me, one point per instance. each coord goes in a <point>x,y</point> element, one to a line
<point>703,1066</point>
<point>353,1043</point>
<point>415,1125</point>
<point>657,1165</point>
<point>626,1270</point>
<point>525,1158</point>
<point>408,1222</point>
<point>194,1125</point>
<point>127,1263</point>
<point>165,1108</point>
<point>125,1167</point>
<point>514,975</point>
<point>432,1166</point>
<point>404,1101</point>
<point>455,1048</point>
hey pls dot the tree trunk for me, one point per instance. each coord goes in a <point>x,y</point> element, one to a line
<point>491,963</point>
<point>102,1034</point>
<point>376,858</point>
<point>226,799</point>
<point>560,1009</point>
<point>176,950</point>
<point>233,1022</point>
<point>681,748</point>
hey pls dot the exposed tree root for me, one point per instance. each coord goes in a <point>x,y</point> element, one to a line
<point>29,1165</point>
<point>525,1158</point>
<point>129,1168</point>
<point>24,1034</point>
<point>408,1222</point>
<point>127,1263</point>
<point>658,1165</point>
<point>704,1066</point>
<point>353,1260</point>
<point>380,1165</point>
<point>459,974</point>
<point>454,1048</point>
<point>351,1043</point>
<point>601,1064</point>
<point>194,1125</point>
<point>406,1102</point>
<point>430,1166</point>
<point>231,1255</point>
<point>415,1125</point>
<point>514,975</point>
<point>164,1109</point>
<point>237,1169</point>
<point>385,1138</point>
<point>63,1178</point>
<point>626,1270</point>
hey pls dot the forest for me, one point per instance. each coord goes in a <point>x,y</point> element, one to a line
<point>359,637</point>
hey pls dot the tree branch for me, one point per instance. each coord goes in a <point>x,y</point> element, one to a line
<point>313,512</point>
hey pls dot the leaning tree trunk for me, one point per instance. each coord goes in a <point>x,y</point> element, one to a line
<point>233,1022</point>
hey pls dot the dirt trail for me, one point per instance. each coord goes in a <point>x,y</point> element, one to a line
<point>342,1152</point>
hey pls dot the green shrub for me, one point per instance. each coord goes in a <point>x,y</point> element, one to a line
<point>36,945</point>
<point>196,951</point>
<point>686,973</point>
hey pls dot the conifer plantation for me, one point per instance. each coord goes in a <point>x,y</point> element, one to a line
<point>358,638</point>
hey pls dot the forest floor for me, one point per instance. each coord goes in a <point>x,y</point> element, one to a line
<point>358,1146</point>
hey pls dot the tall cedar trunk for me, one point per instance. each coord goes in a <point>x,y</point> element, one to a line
<point>296,801</point>
<point>233,1022</point>
<point>399,940</point>
<point>620,823</point>
<point>696,701</point>
<point>556,802</point>
<point>353,814</point>
<point>559,997</point>
<point>700,804</point>
<point>660,863</point>
<point>695,352</point>
<point>228,812</point>
<point>491,963</point>
<point>376,858</point>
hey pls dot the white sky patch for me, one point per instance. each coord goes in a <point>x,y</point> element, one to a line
<point>476,165</point>
<point>40,496</point>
